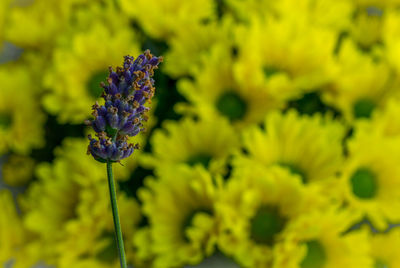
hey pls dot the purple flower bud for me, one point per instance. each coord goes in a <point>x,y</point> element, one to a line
<point>125,94</point>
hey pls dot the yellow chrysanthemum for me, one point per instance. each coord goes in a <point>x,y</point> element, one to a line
<point>361,84</point>
<point>329,13</point>
<point>68,209</point>
<point>163,19</point>
<point>206,142</point>
<point>275,54</point>
<point>391,37</point>
<point>11,231</point>
<point>368,25</point>
<point>370,178</point>
<point>17,170</point>
<point>255,210</point>
<point>180,208</point>
<point>20,116</point>
<point>35,24</point>
<point>215,92</point>
<point>309,146</point>
<point>318,239</point>
<point>81,63</point>
<point>384,122</point>
<point>384,249</point>
<point>192,44</point>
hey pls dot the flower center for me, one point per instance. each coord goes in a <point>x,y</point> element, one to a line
<point>266,224</point>
<point>203,159</point>
<point>231,105</point>
<point>109,253</point>
<point>363,108</point>
<point>316,255</point>
<point>188,221</point>
<point>363,182</point>
<point>380,264</point>
<point>294,169</point>
<point>5,120</point>
<point>93,84</point>
<point>270,71</point>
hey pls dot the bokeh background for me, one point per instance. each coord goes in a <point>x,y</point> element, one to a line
<point>273,139</point>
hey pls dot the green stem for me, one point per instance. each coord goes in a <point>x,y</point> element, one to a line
<point>114,206</point>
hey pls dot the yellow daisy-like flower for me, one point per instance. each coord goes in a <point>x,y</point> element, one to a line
<point>155,22</point>
<point>35,24</point>
<point>384,122</point>
<point>319,239</point>
<point>329,13</point>
<point>20,116</point>
<point>180,208</point>
<point>309,146</point>
<point>370,179</point>
<point>275,54</point>
<point>384,249</point>
<point>68,210</point>
<point>255,210</point>
<point>368,26</point>
<point>361,84</point>
<point>190,47</point>
<point>17,170</point>
<point>391,37</point>
<point>206,142</point>
<point>12,234</point>
<point>215,92</point>
<point>81,63</point>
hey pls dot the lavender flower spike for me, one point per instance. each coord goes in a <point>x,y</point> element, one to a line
<point>126,91</point>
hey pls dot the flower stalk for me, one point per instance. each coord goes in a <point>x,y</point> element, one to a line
<point>114,208</point>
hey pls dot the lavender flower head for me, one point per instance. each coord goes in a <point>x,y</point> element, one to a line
<point>126,91</point>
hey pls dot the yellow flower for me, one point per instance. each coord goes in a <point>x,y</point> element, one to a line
<point>391,37</point>
<point>326,13</point>
<point>12,234</point>
<point>180,208</point>
<point>189,142</point>
<point>165,18</point>
<point>384,122</point>
<point>189,48</point>
<point>319,239</point>
<point>215,92</point>
<point>81,62</point>
<point>35,24</point>
<point>370,179</point>
<point>384,249</point>
<point>17,170</point>
<point>20,116</point>
<point>68,210</point>
<point>275,54</point>
<point>362,84</point>
<point>255,210</point>
<point>309,146</point>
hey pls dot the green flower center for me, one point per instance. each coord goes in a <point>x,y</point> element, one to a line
<point>265,225</point>
<point>294,169</point>
<point>93,84</point>
<point>188,221</point>
<point>270,71</point>
<point>5,120</point>
<point>363,108</point>
<point>363,182</point>
<point>109,253</point>
<point>380,264</point>
<point>202,159</point>
<point>316,255</point>
<point>231,105</point>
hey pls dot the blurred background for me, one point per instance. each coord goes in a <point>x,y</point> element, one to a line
<point>273,138</point>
